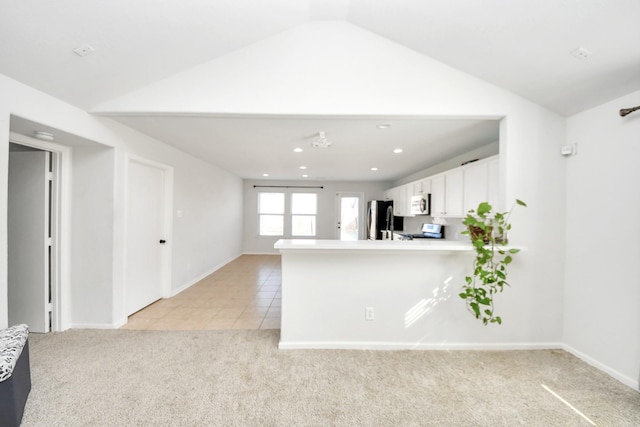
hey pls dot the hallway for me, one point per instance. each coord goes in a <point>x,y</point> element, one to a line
<point>244,294</point>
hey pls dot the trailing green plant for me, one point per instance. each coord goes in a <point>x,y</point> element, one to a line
<point>488,232</point>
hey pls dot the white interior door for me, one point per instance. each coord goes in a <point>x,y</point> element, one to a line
<point>348,214</point>
<point>145,234</point>
<point>29,242</point>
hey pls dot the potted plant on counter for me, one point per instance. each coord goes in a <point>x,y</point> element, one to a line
<point>488,232</point>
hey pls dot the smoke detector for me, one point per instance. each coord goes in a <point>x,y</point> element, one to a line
<point>321,141</point>
<point>44,136</point>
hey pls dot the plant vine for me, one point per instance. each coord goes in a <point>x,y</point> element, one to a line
<point>488,232</point>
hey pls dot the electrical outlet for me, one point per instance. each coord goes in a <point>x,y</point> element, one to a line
<point>369,313</point>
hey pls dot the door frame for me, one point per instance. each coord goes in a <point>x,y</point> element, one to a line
<point>167,222</point>
<point>361,216</point>
<point>60,224</point>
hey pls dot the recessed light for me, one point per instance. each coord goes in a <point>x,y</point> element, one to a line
<point>384,125</point>
<point>397,151</point>
<point>265,174</point>
<point>374,169</point>
<point>298,150</point>
<point>305,176</point>
<point>303,167</point>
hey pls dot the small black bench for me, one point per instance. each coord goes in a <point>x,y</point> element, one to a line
<point>15,374</point>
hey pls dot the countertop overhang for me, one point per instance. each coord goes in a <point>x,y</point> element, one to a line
<point>425,245</point>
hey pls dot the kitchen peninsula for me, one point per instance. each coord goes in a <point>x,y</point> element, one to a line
<point>380,294</point>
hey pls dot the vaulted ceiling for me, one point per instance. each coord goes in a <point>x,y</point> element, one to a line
<point>524,47</point>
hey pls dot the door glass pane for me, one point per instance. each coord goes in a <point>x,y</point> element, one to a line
<point>349,216</point>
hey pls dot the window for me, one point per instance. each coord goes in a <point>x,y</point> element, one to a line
<point>271,214</point>
<point>303,214</point>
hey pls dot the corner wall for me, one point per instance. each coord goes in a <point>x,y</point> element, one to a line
<point>602,292</point>
<point>209,196</point>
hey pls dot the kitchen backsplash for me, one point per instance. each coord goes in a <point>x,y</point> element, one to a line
<point>452,226</point>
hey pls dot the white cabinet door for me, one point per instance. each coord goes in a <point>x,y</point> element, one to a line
<point>401,197</point>
<point>437,196</point>
<point>402,202</point>
<point>422,187</point>
<point>447,194</point>
<point>454,196</point>
<point>476,185</point>
<point>482,184</point>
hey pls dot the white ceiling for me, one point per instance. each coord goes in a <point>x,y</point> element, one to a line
<point>253,146</point>
<point>521,46</point>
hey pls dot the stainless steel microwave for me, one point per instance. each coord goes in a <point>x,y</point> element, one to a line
<point>421,205</point>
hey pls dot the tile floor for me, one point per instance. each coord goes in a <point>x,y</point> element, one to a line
<point>244,294</point>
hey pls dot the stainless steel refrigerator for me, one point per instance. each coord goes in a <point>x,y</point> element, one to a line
<point>380,218</point>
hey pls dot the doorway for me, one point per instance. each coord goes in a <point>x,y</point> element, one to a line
<point>32,236</point>
<point>348,214</point>
<point>148,214</point>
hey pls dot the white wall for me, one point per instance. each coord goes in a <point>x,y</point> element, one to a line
<point>602,292</point>
<point>368,75</point>
<point>91,245</point>
<point>325,220</point>
<point>371,75</point>
<point>211,197</point>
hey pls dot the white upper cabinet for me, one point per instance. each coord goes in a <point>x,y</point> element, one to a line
<point>454,192</point>
<point>447,194</point>
<point>481,183</point>
<point>402,200</point>
<point>476,185</point>
<point>421,187</point>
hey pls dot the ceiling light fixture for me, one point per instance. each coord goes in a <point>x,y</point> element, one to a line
<point>265,174</point>
<point>298,150</point>
<point>305,176</point>
<point>84,50</point>
<point>581,53</point>
<point>321,141</point>
<point>374,169</point>
<point>44,136</point>
<point>397,151</point>
<point>384,126</point>
<point>303,167</point>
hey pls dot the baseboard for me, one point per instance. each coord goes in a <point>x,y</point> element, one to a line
<point>202,276</point>
<point>261,253</point>
<point>374,345</point>
<point>633,383</point>
<point>115,325</point>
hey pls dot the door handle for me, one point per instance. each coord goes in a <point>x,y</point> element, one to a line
<point>162,241</point>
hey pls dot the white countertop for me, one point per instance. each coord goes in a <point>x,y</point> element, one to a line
<point>372,245</point>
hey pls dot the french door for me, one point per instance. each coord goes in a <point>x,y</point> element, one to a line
<point>348,215</point>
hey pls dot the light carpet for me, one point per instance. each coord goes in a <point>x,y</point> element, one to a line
<point>240,378</point>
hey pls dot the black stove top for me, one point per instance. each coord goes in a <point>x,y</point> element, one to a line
<point>411,236</point>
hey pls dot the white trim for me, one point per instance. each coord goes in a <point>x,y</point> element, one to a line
<point>115,325</point>
<point>380,345</point>
<point>61,291</point>
<point>262,253</point>
<point>633,383</point>
<point>167,225</point>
